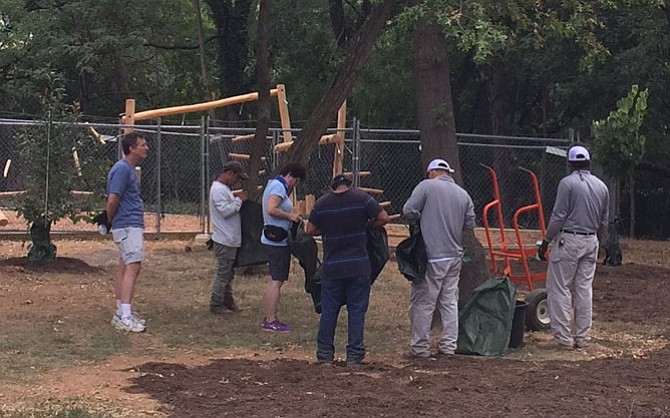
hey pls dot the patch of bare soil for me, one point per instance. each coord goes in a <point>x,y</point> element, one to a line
<point>453,385</point>
<point>239,383</point>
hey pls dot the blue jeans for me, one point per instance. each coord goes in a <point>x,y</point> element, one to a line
<point>354,292</point>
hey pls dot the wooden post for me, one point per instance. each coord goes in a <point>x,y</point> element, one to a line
<point>129,116</point>
<point>283,113</point>
<point>309,203</point>
<point>338,158</point>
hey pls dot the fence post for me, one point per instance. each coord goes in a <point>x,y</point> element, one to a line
<point>159,200</point>
<point>203,174</point>
<point>356,155</point>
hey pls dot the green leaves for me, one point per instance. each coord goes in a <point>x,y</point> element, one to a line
<point>618,144</point>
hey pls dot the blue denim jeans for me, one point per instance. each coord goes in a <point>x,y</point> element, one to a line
<point>354,292</point>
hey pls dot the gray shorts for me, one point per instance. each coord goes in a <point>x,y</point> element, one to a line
<point>131,244</point>
<point>279,260</point>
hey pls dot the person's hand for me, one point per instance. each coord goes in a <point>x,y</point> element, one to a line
<point>542,251</point>
<point>294,217</point>
<point>243,196</point>
<point>101,219</point>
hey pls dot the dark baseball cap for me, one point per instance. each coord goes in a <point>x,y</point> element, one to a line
<point>236,168</point>
<point>339,180</point>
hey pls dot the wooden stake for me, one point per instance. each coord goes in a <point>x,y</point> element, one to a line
<point>338,158</point>
<point>241,138</point>
<point>8,163</point>
<point>129,116</point>
<point>309,203</point>
<point>242,157</point>
<point>283,113</point>
<point>3,219</point>
<point>371,191</point>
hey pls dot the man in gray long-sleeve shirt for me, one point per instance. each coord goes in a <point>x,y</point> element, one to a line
<point>445,210</point>
<point>579,218</point>
<point>224,209</point>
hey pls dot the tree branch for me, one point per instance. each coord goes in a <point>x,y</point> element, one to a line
<point>185,47</point>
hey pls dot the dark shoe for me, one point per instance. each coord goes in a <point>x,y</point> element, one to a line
<point>229,303</point>
<point>556,345</point>
<point>445,353</point>
<point>232,307</point>
<point>356,363</point>
<point>582,344</point>
<point>325,364</point>
<point>411,355</point>
<point>219,310</point>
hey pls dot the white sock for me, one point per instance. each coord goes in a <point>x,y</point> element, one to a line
<point>118,308</point>
<point>125,311</point>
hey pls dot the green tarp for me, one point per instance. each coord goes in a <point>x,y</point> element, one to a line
<point>485,322</point>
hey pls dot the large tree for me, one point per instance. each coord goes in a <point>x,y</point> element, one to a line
<point>347,74</point>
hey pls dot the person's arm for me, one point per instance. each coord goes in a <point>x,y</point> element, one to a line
<point>112,206</point>
<point>469,215</point>
<point>381,219</point>
<point>414,205</point>
<point>225,203</point>
<point>560,211</point>
<point>311,229</point>
<point>604,216</point>
<point>116,186</point>
<point>273,209</point>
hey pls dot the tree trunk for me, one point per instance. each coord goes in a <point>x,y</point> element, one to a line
<point>438,134</point>
<point>231,21</point>
<point>263,76</point>
<point>434,101</point>
<point>41,249</point>
<point>345,79</point>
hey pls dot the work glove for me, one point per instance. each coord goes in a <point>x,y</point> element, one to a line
<point>101,219</point>
<point>542,251</point>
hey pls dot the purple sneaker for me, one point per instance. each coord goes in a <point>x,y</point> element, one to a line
<point>275,326</point>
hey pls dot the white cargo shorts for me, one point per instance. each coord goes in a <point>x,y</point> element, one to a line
<point>131,244</point>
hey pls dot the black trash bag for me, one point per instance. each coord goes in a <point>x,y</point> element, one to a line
<point>315,288</point>
<point>411,254</point>
<point>613,255</point>
<point>378,250</point>
<point>303,247</point>
<point>251,253</point>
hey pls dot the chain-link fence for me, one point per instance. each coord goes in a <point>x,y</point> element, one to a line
<point>184,160</point>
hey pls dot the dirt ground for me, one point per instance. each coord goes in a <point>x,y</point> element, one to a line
<point>152,380</point>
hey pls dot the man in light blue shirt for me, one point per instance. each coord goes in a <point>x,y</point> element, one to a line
<point>125,211</point>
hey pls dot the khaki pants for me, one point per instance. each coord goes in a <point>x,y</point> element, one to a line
<point>438,289</point>
<point>572,266</point>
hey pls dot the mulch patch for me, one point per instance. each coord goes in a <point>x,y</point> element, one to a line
<point>446,386</point>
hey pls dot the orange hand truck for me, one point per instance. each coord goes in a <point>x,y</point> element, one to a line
<point>538,317</point>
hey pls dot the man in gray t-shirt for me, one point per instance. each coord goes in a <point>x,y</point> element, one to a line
<point>579,218</point>
<point>445,210</point>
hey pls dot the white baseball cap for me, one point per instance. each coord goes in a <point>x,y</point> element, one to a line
<point>439,164</point>
<point>578,153</point>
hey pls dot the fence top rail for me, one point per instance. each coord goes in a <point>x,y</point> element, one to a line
<point>164,128</point>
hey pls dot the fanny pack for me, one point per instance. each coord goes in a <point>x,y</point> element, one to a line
<point>275,233</point>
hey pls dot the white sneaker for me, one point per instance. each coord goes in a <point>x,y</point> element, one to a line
<point>128,324</point>
<point>137,317</point>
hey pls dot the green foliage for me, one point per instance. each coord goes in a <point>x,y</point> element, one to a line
<point>57,160</point>
<point>618,144</point>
